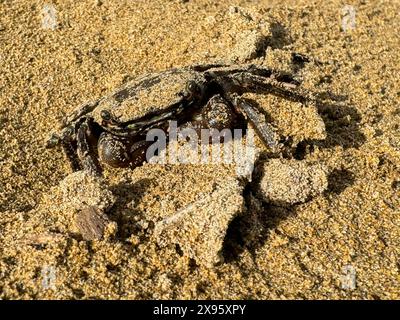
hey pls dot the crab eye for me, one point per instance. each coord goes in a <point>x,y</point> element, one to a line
<point>192,86</point>
<point>105,115</point>
<point>192,90</point>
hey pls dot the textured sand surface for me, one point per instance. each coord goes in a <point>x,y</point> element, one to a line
<point>315,249</point>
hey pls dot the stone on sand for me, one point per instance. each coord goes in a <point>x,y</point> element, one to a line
<point>89,198</point>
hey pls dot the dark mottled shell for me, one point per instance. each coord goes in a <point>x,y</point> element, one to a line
<point>141,96</point>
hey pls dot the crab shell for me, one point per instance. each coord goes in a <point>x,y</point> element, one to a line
<point>150,93</point>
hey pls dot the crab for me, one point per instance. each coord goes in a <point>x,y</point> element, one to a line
<point>112,130</point>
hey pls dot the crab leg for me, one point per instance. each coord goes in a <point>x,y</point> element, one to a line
<point>70,151</point>
<point>81,111</point>
<point>278,86</point>
<point>85,151</point>
<point>257,119</point>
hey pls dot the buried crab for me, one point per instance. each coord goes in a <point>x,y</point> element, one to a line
<point>112,130</point>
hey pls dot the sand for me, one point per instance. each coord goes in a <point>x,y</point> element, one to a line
<point>342,242</point>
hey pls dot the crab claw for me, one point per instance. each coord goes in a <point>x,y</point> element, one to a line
<point>114,152</point>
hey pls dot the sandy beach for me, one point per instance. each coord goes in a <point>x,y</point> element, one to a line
<point>321,221</point>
